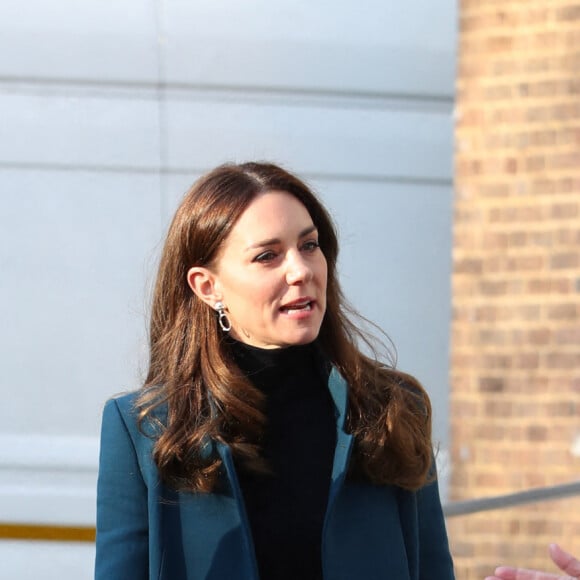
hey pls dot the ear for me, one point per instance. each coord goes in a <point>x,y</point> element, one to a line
<point>204,284</point>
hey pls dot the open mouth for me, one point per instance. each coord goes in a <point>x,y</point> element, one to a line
<point>298,307</point>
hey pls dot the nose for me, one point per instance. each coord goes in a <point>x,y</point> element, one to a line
<point>298,271</point>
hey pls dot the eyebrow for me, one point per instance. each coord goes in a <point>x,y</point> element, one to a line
<point>273,241</point>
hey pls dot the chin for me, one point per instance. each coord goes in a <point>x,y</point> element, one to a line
<point>302,338</point>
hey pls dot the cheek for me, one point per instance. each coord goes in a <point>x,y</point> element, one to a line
<point>250,293</point>
<point>323,272</point>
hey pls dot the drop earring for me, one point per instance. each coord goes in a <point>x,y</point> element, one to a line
<point>223,319</point>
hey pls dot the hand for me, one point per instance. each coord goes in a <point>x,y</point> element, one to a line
<point>566,562</point>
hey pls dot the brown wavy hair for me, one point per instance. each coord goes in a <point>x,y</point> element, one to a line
<point>207,397</point>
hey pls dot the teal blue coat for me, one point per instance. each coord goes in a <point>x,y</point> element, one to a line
<point>145,530</point>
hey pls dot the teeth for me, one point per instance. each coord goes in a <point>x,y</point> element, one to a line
<point>297,308</point>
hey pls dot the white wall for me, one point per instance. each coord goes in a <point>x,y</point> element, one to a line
<point>109,110</point>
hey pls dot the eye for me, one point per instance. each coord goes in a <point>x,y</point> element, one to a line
<point>310,246</point>
<point>267,256</point>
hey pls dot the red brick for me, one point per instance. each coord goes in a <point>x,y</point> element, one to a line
<point>568,236</point>
<point>563,360</point>
<point>537,433</point>
<point>568,13</point>
<point>539,336</point>
<point>567,336</point>
<point>468,266</point>
<point>491,384</point>
<point>566,311</point>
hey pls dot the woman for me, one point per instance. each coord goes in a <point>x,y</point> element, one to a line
<point>263,443</point>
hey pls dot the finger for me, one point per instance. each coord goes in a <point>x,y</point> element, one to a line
<point>509,573</point>
<point>506,573</point>
<point>565,561</point>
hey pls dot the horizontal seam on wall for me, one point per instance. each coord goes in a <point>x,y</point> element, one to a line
<point>28,83</point>
<point>195,171</point>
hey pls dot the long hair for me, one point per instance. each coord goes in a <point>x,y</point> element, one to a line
<point>207,398</point>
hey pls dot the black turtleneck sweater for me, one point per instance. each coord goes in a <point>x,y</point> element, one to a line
<point>286,509</point>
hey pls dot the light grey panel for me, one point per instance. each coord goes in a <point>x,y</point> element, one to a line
<point>79,40</point>
<point>176,186</point>
<point>395,267</point>
<point>374,46</point>
<point>76,252</point>
<point>47,560</point>
<point>316,139</point>
<point>113,130</point>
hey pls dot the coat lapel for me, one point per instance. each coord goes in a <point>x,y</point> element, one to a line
<point>338,388</point>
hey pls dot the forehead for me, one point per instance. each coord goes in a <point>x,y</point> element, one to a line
<point>272,214</point>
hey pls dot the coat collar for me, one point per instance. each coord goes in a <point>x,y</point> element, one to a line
<point>338,388</point>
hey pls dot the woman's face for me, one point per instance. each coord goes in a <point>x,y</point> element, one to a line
<point>271,274</point>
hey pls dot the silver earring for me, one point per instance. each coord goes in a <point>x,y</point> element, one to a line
<point>223,320</point>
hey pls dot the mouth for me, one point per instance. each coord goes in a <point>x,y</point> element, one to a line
<point>302,305</point>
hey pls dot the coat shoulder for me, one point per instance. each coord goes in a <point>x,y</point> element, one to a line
<point>120,414</point>
<point>123,432</point>
<point>127,405</point>
<point>126,402</point>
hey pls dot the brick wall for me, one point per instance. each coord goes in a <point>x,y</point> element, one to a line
<point>515,369</point>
